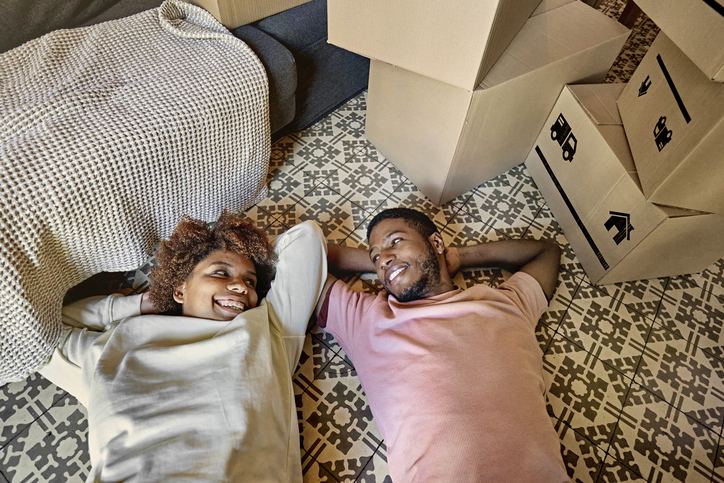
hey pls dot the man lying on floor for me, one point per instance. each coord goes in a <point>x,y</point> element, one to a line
<point>454,377</point>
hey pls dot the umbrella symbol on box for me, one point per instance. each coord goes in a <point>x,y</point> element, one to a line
<point>644,88</point>
<point>622,223</point>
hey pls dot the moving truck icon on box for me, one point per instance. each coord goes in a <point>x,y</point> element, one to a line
<point>597,201</point>
<point>561,131</point>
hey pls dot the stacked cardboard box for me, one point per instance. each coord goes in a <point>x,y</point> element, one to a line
<point>636,184</point>
<point>448,136</point>
<point>696,27</point>
<point>583,166</point>
<point>456,43</point>
<point>673,114</point>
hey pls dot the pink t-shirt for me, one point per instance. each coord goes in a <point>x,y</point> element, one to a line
<point>454,381</point>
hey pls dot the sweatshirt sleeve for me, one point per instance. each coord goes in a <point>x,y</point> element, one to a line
<point>86,322</point>
<point>300,276</point>
<point>97,313</point>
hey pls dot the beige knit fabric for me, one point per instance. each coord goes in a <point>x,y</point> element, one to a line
<point>108,135</point>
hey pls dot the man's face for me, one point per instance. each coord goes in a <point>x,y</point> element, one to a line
<point>220,287</point>
<point>405,261</point>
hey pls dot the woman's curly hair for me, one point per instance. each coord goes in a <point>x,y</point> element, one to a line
<point>192,241</point>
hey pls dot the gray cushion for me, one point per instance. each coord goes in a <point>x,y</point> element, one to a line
<point>327,76</point>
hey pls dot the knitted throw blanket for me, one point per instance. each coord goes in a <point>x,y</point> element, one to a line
<point>108,135</point>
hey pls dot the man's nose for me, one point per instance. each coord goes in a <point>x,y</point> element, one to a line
<point>387,258</point>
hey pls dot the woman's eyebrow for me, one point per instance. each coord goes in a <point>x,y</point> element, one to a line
<point>229,265</point>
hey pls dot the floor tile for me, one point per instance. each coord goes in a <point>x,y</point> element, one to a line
<point>644,296</point>
<point>659,443</point>
<point>376,470</point>
<point>366,184</point>
<point>337,425</point>
<point>328,208</point>
<point>582,458</point>
<point>718,476</point>
<point>53,448</point>
<point>316,356</point>
<point>259,216</point>
<point>584,393</point>
<point>614,471</point>
<point>683,375</point>
<point>607,328</point>
<point>694,314</point>
<point>287,186</point>
<point>502,206</point>
<point>521,182</point>
<point>313,472</point>
<point>21,403</point>
<point>712,279</point>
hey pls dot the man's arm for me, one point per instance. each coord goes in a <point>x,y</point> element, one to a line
<point>341,259</point>
<point>539,259</point>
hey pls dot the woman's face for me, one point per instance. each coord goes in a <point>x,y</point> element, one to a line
<point>220,287</point>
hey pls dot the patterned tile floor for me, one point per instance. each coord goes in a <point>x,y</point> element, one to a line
<point>635,370</point>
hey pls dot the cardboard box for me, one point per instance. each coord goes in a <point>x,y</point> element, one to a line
<point>235,13</point>
<point>696,27</point>
<point>455,42</point>
<point>583,167</point>
<point>448,140</point>
<point>674,119</point>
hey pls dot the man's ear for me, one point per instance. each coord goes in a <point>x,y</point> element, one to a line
<point>437,243</point>
<point>178,293</point>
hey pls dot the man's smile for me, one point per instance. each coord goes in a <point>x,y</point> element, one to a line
<point>394,272</point>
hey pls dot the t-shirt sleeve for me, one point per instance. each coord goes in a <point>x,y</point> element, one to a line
<point>300,275</point>
<point>527,294</point>
<point>343,313</point>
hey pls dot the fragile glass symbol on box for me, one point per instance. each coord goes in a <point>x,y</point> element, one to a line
<point>662,134</point>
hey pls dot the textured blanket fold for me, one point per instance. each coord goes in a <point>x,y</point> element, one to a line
<point>108,135</point>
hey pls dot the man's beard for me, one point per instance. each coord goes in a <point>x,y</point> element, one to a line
<point>429,278</point>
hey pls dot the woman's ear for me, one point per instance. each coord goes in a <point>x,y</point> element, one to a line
<point>437,242</point>
<point>178,294</point>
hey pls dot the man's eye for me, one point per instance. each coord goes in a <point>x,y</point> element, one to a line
<point>394,242</point>
<point>251,283</point>
<point>221,273</point>
<point>375,258</point>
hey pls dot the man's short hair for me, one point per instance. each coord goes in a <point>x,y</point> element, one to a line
<point>416,220</point>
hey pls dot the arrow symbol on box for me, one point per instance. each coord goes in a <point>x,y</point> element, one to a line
<point>622,222</point>
<point>644,86</point>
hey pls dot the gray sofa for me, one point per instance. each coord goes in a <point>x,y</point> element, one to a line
<point>308,78</point>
